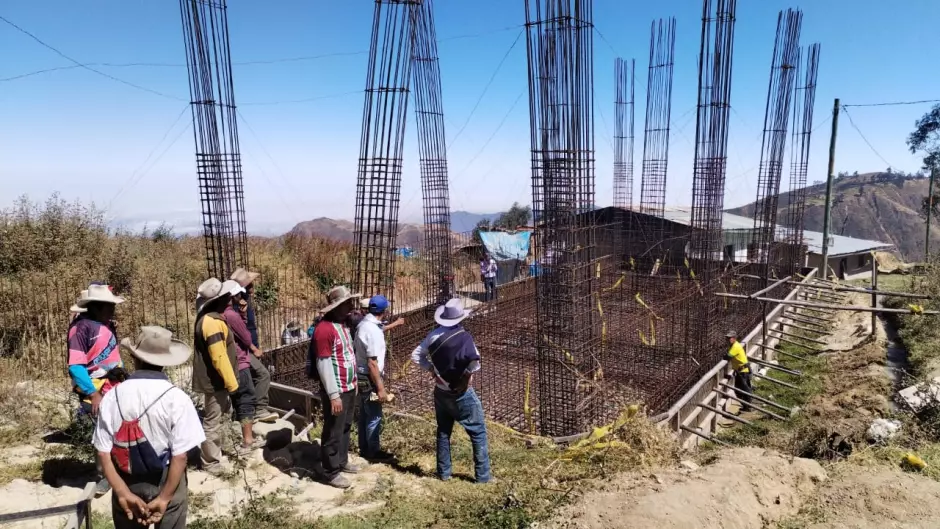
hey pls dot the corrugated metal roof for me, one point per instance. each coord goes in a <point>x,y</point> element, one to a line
<point>838,244</point>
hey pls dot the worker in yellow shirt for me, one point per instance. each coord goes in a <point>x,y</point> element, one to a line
<point>737,357</point>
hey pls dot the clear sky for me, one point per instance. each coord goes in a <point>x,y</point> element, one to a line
<point>93,138</point>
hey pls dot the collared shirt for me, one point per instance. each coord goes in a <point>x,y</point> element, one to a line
<point>94,346</point>
<point>738,358</point>
<point>332,341</point>
<point>420,357</point>
<point>242,337</point>
<point>488,268</point>
<point>370,343</point>
<point>171,424</point>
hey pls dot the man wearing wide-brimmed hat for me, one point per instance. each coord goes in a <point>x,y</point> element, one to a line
<point>449,353</point>
<point>214,366</point>
<point>148,470</point>
<point>332,360</point>
<point>260,375</point>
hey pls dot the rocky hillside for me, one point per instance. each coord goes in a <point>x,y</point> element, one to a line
<point>878,206</point>
<point>342,230</point>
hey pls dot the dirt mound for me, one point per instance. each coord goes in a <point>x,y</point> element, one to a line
<point>745,488</point>
<point>873,498</point>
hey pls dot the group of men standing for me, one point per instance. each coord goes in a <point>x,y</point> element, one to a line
<point>145,427</point>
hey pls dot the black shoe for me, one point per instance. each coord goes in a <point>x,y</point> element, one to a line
<point>380,457</point>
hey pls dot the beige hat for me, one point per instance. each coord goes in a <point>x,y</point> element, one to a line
<point>244,277</point>
<point>75,308</point>
<point>212,289</point>
<point>336,297</point>
<point>156,346</point>
<point>97,294</point>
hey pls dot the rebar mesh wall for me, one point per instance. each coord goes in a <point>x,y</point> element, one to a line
<point>804,101</point>
<point>432,147</point>
<point>711,132</point>
<point>215,130</point>
<point>625,79</point>
<point>559,41</point>
<point>378,188</point>
<point>776,117</point>
<point>658,116</point>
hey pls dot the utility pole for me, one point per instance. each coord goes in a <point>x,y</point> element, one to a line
<point>933,173</point>
<point>827,216</point>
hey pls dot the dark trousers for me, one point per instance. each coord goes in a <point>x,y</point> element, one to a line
<point>489,283</point>
<point>742,381</point>
<point>147,490</point>
<point>243,399</point>
<point>334,442</point>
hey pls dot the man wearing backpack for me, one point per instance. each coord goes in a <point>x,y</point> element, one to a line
<point>145,428</point>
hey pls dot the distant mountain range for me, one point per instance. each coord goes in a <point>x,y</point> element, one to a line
<point>408,234</point>
<point>883,207</point>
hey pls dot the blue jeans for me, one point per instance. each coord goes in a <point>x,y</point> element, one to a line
<point>370,425</point>
<point>467,410</point>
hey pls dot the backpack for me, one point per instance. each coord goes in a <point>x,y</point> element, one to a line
<point>132,453</point>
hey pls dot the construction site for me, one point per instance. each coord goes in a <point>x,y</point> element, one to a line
<point>607,311</point>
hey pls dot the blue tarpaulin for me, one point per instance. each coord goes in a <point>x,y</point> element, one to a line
<point>504,246</point>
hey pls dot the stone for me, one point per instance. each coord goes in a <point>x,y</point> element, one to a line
<point>689,465</point>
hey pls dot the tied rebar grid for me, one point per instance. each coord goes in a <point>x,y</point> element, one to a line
<point>776,117</point>
<point>378,187</point>
<point>215,130</point>
<point>658,116</point>
<point>805,99</point>
<point>625,80</point>
<point>432,148</point>
<point>559,42</point>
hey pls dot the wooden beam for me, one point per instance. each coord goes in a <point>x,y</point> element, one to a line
<point>796,317</point>
<point>800,327</point>
<point>775,381</point>
<point>758,397</point>
<point>812,305</point>
<point>755,406</point>
<point>704,435</point>
<point>775,366</point>
<point>785,333</point>
<point>771,287</point>
<point>784,353</point>
<point>862,290</point>
<point>726,414</point>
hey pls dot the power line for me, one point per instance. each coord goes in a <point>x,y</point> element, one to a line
<point>280,173</point>
<point>485,89</point>
<point>304,100</point>
<point>870,146</point>
<point>923,101</point>
<point>86,67</point>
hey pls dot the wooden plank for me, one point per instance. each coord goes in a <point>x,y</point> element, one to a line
<point>751,405</point>
<point>785,333</point>
<point>784,353</point>
<point>758,397</point>
<point>771,287</point>
<point>726,414</point>
<point>775,381</point>
<point>704,435</point>
<point>807,329</point>
<point>775,366</point>
<point>795,316</point>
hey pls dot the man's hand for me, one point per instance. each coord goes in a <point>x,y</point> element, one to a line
<point>134,507</point>
<point>382,395</point>
<point>95,402</point>
<point>157,508</point>
<point>336,406</point>
<point>257,352</point>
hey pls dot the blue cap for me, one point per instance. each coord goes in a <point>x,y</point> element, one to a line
<point>378,304</point>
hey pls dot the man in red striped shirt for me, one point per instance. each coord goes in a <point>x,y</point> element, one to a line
<point>331,358</point>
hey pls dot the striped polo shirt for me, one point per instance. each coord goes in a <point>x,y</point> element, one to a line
<point>333,341</point>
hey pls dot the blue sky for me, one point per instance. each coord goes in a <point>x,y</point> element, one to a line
<point>88,137</point>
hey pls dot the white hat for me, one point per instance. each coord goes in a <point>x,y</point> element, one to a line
<point>451,313</point>
<point>336,297</point>
<point>156,346</point>
<point>244,277</point>
<point>97,294</point>
<point>75,308</point>
<point>212,289</point>
<point>237,289</point>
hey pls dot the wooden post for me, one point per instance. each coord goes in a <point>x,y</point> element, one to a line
<point>874,293</point>
<point>933,172</point>
<point>827,213</point>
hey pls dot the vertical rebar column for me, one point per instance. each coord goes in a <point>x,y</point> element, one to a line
<point>432,148</point>
<point>804,101</point>
<point>559,41</point>
<point>776,117</point>
<point>215,130</point>
<point>711,134</point>
<point>658,116</point>
<point>625,79</point>
<point>378,188</point>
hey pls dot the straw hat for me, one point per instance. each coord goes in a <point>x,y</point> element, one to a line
<point>451,313</point>
<point>156,346</point>
<point>244,277</point>
<point>75,308</point>
<point>97,294</point>
<point>336,297</point>
<point>212,289</point>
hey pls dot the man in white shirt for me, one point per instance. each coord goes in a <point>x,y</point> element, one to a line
<point>144,430</point>
<point>488,269</point>
<point>370,361</point>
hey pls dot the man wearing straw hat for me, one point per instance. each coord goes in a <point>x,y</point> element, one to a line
<point>332,359</point>
<point>94,360</point>
<point>144,431</point>
<point>260,375</point>
<point>214,366</point>
<point>449,353</point>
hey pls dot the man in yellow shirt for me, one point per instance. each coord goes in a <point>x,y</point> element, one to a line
<point>737,357</point>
